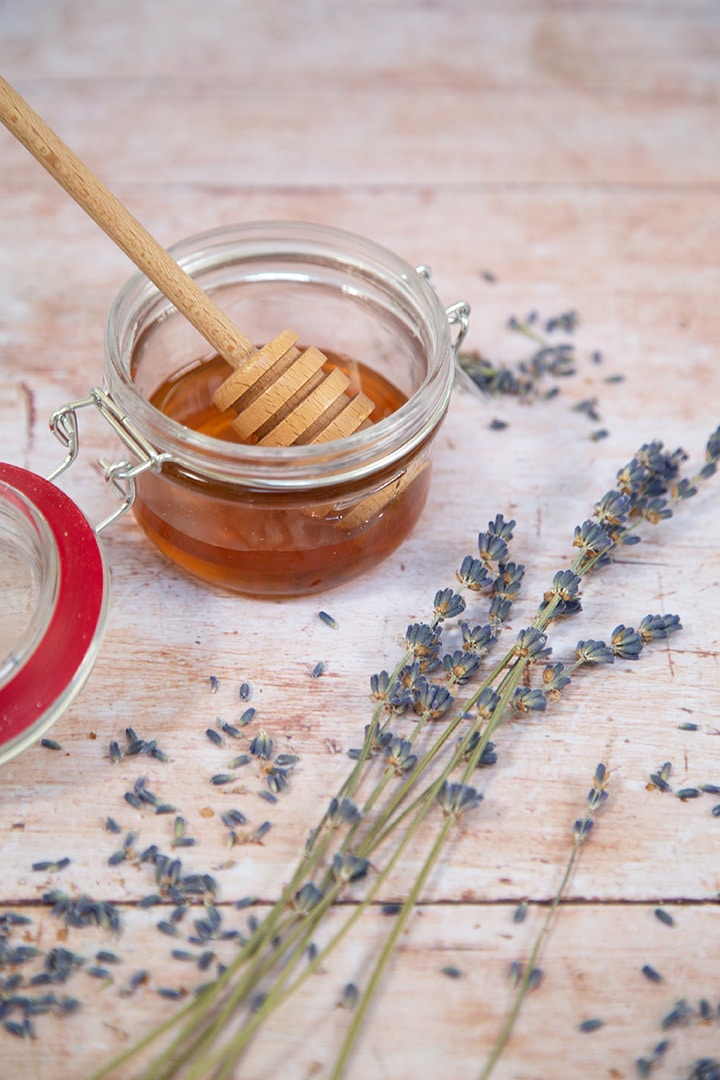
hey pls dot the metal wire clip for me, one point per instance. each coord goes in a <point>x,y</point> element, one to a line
<point>120,475</point>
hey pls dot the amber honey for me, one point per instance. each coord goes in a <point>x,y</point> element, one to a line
<point>186,396</point>
<point>277,543</point>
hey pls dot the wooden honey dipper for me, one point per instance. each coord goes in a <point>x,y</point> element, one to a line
<point>282,395</point>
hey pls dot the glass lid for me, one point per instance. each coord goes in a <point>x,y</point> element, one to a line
<point>55,590</point>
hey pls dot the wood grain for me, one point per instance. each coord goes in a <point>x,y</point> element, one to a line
<point>571,152</point>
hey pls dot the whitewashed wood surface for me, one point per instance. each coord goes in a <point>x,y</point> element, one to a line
<point>572,151</point>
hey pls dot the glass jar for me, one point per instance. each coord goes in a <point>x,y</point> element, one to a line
<point>282,521</point>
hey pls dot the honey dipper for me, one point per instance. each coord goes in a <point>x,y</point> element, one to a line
<point>281,393</point>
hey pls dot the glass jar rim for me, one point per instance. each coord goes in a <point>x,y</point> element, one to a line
<point>291,467</point>
<point>53,660</point>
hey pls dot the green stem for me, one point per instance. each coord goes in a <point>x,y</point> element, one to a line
<point>198,1012</point>
<point>313,965</point>
<point>268,929</point>
<point>512,1016</point>
<point>274,999</point>
<point>297,941</point>
<point>387,951</point>
<point>523,328</point>
<point>193,1032</point>
<point>511,681</point>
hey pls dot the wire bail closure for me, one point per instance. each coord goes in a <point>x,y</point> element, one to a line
<point>457,314</point>
<point>119,475</point>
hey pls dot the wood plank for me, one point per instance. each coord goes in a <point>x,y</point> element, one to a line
<point>511,93</point>
<point>490,135</point>
<point>640,46</point>
<point>449,1028</point>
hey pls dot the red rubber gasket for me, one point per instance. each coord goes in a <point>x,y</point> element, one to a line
<point>78,615</point>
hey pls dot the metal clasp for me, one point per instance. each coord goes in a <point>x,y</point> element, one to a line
<point>457,314</point>
<point>120,475</point>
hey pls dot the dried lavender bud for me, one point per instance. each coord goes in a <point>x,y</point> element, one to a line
<point>262,746</point>
<point>447,604</point>
<point>593,652</point>
<point>308,897</point>
<point>626,643</point>
<point>456,799</point>
<point>591,1025</point>
<point>473,574</point>
<point>664,916</point>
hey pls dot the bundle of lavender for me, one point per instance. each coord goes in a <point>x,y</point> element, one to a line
<point>432,727</point>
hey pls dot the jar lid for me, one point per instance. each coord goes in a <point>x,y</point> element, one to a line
<point>55,590</point>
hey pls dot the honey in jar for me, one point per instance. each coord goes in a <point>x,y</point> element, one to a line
<point>282,521</point>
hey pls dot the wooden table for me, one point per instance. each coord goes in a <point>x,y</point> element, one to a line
<point>537,157</point>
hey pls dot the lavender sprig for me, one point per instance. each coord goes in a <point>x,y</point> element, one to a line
<point>581,831</point>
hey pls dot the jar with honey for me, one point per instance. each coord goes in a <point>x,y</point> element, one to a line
<point>263,520</point>
<point>288,520</point>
